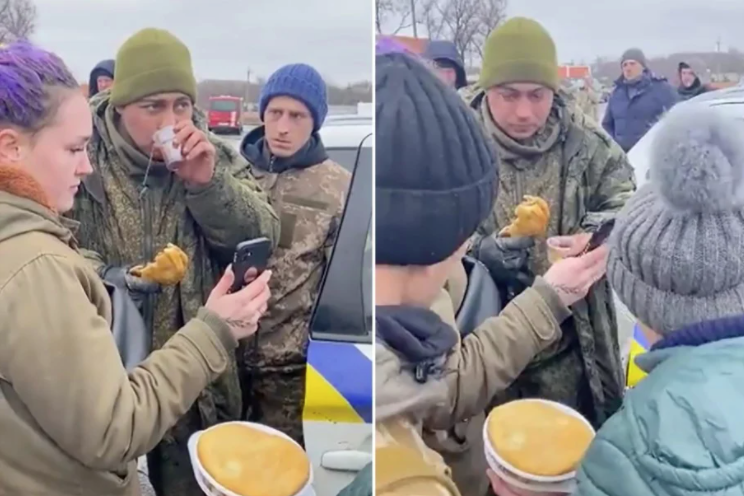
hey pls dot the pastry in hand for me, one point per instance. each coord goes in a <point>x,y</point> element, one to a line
<point>168,268</point>
<point>531,219</point>
<point>252,462</point>
<point>538,438</point>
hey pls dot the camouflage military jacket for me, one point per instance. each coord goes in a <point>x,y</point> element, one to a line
<point>585,178</point>
<point>126,223</point>
<point>308,192</point>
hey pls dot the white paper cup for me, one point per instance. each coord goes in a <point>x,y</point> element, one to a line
<point>565,483</point>
<point>164,140</point>
<point>211,488</point>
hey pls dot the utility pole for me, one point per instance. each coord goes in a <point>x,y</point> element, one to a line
<point>718,59</point>
<point>413,18</point>
<point>247,89</point>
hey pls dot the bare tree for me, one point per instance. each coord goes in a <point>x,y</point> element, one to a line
<point>396,13</point>
<point>491,14</point>
<point>467,23</point>
<point>17,20</point>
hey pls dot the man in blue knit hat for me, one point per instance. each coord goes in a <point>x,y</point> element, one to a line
<point>308,192</point>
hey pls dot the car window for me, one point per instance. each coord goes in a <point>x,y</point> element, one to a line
<point>345,157</point>
<point>223,105</point>
<point>343,310</point>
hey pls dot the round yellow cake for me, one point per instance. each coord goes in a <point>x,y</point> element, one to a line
<point>538,438</point>
<point>251,462</point>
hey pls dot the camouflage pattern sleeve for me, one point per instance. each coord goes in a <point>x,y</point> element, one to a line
<point>233,207</point>
<point>95,260</point>
<point>611,182</point>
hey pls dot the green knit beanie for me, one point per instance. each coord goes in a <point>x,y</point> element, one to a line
<point>519,51</point>
<point>152,61</point>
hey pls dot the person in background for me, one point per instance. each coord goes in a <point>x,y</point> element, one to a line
<point>73,420</point>
<point>690,85</point>
<point>675,262</point>
<point>448,63</point>
<point>132,206</point>
<point>101,77</point>
<point>586,99</point>
<point>640,98</point>
<point>549,150</point>
<point>309,192</point>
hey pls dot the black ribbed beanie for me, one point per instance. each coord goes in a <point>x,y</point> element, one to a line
<point>436,171</point>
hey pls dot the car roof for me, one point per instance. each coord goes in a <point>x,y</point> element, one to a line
<point>347,131</point>
<point>728,100</point>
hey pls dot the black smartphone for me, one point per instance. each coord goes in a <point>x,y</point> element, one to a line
<point>600,236</point>
<point>252,254</point>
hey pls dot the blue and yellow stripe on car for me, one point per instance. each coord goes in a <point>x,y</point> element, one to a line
<point>339,383</point>
<point>638,346</point>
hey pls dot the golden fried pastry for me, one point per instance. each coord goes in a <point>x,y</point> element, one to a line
<point>531,219</point>
<point>167,269</point>
<point>251,462</point>
<point>538,438</point>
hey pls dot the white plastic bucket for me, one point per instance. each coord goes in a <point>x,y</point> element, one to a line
<point>211,487</point>
<point>565,483</point>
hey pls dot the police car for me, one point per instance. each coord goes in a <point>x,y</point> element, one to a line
<point>729,101</point>
<point>338,399</point>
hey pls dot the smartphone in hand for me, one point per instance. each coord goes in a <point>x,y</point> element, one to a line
<point>600,236</point>
<point>251,254</point>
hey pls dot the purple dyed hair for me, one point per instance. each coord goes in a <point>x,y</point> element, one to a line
<point>29,79</point>
<point>388,45</point>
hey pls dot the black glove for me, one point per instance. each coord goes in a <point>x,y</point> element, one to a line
<point>506,259</point>
<point>137,287</point>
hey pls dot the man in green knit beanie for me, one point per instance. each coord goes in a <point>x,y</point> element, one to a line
<point>549,149</point>
<point>134,205</point>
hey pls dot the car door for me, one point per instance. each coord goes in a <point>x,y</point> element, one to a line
<point>338,403</point>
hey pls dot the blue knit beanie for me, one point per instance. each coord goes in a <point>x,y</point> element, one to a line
<point>301,82</point>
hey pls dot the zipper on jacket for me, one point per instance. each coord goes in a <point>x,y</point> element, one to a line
<point>520,186</point>
<point>146,213</point>
<point>148,255</point>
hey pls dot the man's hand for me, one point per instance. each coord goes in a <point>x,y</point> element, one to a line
<point>199,155</point>
<point>505,258</point>
<point>501,488</point>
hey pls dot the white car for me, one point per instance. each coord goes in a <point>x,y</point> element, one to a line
<point>339,398</point>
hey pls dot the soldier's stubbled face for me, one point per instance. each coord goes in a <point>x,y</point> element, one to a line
<point>520,109</point>
<point>288,125</point>
<point>55,155</point>
<point>143,118</point>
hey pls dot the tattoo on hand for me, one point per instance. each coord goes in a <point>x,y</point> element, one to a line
<point>240,323</point>
<point>567,290</point>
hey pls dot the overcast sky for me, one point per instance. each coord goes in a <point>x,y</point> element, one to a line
<point>585,29</point>
<point>225,36</point>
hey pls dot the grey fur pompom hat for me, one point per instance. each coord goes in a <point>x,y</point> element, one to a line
<point>677,250</point>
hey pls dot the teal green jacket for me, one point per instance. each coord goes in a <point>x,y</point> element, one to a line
<point>680,431</point>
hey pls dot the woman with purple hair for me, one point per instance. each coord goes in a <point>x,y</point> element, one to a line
<point>72,420</point>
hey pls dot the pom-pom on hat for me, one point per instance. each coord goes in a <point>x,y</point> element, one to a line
<point>676,250</point>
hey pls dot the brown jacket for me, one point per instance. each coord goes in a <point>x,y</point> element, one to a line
<point>73,422</point>
<point>484,363</point>
<point>487,362</point>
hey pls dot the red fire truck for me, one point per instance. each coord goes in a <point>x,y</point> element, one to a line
<point>225,114</point>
